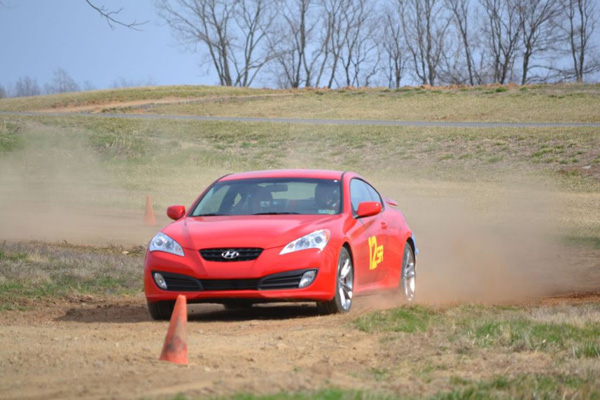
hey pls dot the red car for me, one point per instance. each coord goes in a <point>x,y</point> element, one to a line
<point>287,235</point>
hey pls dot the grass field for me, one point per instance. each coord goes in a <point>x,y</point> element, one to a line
<point>84,180</point>
<point>534,103</point>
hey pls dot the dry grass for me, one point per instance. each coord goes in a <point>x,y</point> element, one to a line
<point>76,162</point>
<point>114,96</point>
<point>480,352</point>
<point>484,105</point>
<point>534,103</point>
<point>33,272</point>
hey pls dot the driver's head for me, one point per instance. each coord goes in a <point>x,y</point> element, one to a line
<point>327,194</point>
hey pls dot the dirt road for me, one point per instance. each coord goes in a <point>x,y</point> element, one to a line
<point>98,349</point>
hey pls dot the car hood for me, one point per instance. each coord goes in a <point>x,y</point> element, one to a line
<point>264,231</point>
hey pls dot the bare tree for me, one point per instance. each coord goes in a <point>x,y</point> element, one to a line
<point>111,17</point>
<point>27,86</point>
<point>460,17</point>
<point>291,42</point>
<point>537,29</point>
<point>122,82</point>
<point>87,86</point>
<point>581,22</point>
<point>359,58</point>
<point>62,83</point>
<point>233,31</point>
<point>302,43</point>
<point>502,31</point>
<point>393,49</point>
<point>335,35</point>
<point>255,19</point>
<point>424,25</point>
<point>3,93</point>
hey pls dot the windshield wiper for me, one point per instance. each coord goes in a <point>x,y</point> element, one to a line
<point>275,213</point>
<point>208,215</point>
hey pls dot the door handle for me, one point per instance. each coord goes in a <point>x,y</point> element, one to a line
<point>384,225</point>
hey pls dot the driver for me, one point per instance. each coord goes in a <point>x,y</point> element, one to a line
<point>327,197</point>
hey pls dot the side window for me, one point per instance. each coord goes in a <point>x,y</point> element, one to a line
<point>359,192</point>
<point>373,193</point>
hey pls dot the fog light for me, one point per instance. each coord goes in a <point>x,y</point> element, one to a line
<point>307,278</point>
<point>160,281</point>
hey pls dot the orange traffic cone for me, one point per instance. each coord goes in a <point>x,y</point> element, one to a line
<point>149,214</point>
<point>175,348</point>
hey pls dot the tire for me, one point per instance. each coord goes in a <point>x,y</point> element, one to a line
<point>161,310</point>
<point>344,287</point>
<point>408,276</point>
<point>238,305</point>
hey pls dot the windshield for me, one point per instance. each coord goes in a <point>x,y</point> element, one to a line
<point>271,196</point>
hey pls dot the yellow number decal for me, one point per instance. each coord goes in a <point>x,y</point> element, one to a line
<point>375,253</point>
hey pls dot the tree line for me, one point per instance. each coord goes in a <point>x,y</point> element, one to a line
<point>334,43</point>
<point>62,82</point>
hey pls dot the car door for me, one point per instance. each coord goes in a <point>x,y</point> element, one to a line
<point>383,241</point>
<point>367,237</point>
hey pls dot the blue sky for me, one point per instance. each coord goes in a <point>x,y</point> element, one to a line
<point>39,36</point>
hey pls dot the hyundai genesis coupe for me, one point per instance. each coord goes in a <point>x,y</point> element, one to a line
<point>281,235</point>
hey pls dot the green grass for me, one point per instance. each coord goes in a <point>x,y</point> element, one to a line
<point>11,138</point>
<point>409,320</point>
<point>40,271</point>
<point>521,334</point>
<point>489,327</point>
<point>524,387</point>
<point>537,386</point>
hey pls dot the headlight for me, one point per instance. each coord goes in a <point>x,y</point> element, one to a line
<point>162,242</point>
<point>315,240</point>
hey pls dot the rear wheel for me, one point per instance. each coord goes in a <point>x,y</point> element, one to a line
<point>344,287</point>
<point>408,278</point>
<point>161,310</point>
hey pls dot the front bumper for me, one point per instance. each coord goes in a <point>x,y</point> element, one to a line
<point>209,281</point>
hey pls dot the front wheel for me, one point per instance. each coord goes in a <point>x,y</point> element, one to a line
<point>408,278</point>
<point>161,310</point>
<point>344,287</point>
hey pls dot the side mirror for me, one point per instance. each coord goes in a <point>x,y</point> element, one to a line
<point>368,208</point>
<point>176,212</point>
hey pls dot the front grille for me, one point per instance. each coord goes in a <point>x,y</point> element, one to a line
<point>244,254</point>
<point>285,280</point>
<point>230,284</point>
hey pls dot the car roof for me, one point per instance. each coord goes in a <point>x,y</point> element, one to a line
<point>285,173</point>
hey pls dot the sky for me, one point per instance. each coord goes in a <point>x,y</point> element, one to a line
<point>39,36</point>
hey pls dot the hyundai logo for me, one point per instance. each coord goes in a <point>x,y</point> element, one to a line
<point>230,254</point>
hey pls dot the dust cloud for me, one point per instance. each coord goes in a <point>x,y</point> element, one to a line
<point>486,242</point>
<point>483,242</point>
<point>55,189</point>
